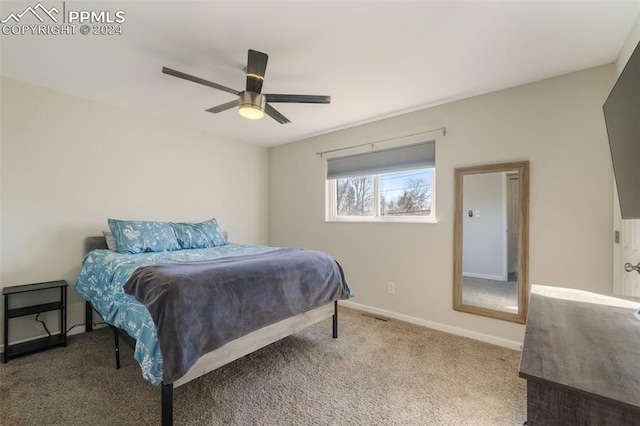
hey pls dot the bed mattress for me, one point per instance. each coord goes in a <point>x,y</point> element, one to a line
<point>101,281</point>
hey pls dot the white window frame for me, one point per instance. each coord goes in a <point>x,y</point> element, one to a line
<point>331,208</point>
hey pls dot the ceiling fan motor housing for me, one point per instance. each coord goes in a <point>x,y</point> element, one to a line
<point>252,104</point>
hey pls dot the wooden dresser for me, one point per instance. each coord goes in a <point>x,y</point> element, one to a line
<point>581,358</point>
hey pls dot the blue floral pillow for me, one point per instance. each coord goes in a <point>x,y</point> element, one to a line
<point>137,236</point>
<point>199,235</point>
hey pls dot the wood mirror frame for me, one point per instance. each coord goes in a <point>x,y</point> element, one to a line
<point>522,168</point>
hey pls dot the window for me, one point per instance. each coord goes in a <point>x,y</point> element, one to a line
<point>392,185</point>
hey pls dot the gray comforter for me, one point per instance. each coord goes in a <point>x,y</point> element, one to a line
<point>199,306</point>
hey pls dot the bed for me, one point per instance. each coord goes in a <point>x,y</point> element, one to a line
<point>136,293</point>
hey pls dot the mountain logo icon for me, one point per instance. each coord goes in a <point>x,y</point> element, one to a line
<point>38,11</point>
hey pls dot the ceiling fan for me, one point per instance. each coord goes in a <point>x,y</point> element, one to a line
<point>252,102</point>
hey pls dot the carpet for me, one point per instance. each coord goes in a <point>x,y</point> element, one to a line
<point>376,373</point>
<point>491,294</point>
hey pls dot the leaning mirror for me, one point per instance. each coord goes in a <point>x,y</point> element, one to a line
<point>491,240</point>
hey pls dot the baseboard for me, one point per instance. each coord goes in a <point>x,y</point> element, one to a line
<point>485,276</point>
<point>401,317</point>
<point>436,326</point>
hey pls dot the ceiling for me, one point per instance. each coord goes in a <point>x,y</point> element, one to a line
<point>375,58</point>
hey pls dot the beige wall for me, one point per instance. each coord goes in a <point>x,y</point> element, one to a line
<point>557,124</point>
<point>68,164</point>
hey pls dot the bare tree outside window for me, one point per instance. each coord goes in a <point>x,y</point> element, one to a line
<point>355,196</point>
<point>405,194</point>
<point>394,194</point>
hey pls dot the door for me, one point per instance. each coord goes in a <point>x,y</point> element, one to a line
<point>513,225</point>
<point>625,250</point>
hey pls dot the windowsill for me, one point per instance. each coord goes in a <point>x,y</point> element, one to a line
<point>380,220</point>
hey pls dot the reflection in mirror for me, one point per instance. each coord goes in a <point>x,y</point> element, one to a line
<point>490,240</point>
<point>491,229</point>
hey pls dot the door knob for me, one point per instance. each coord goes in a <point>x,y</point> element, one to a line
<point>629,267</point>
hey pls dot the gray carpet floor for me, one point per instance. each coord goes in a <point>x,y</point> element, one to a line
<point>492,294</point>
<point>375,373</point>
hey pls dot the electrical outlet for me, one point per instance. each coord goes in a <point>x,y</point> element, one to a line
<point>391,287</point>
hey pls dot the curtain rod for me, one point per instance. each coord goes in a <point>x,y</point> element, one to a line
<point>372,144</point>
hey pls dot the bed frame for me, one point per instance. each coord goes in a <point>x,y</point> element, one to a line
<point>229,352</point>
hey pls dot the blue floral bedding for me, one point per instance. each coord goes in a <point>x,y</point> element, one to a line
<point>103,274</point>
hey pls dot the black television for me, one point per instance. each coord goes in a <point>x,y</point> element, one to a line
<point>622,117</point>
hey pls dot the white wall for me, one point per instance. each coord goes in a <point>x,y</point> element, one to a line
<point>484,234</point>
<point>627,48</point>
<point>68,164</point>
<point>557,124</point>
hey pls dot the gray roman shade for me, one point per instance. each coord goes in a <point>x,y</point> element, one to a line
<point>416,156</point>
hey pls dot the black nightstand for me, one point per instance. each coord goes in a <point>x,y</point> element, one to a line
<point>17,349</point>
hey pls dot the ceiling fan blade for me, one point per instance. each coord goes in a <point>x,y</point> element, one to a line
<point>298,99</point>
<point>273,113</point>
<point>198,80</point>
<point>224,107</point>
<point>256,67</point>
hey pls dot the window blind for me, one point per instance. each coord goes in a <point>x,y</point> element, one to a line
<point>410,157</point>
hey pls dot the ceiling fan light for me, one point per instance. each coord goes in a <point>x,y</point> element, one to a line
<point>250,112</point>
<point>252,105</point>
